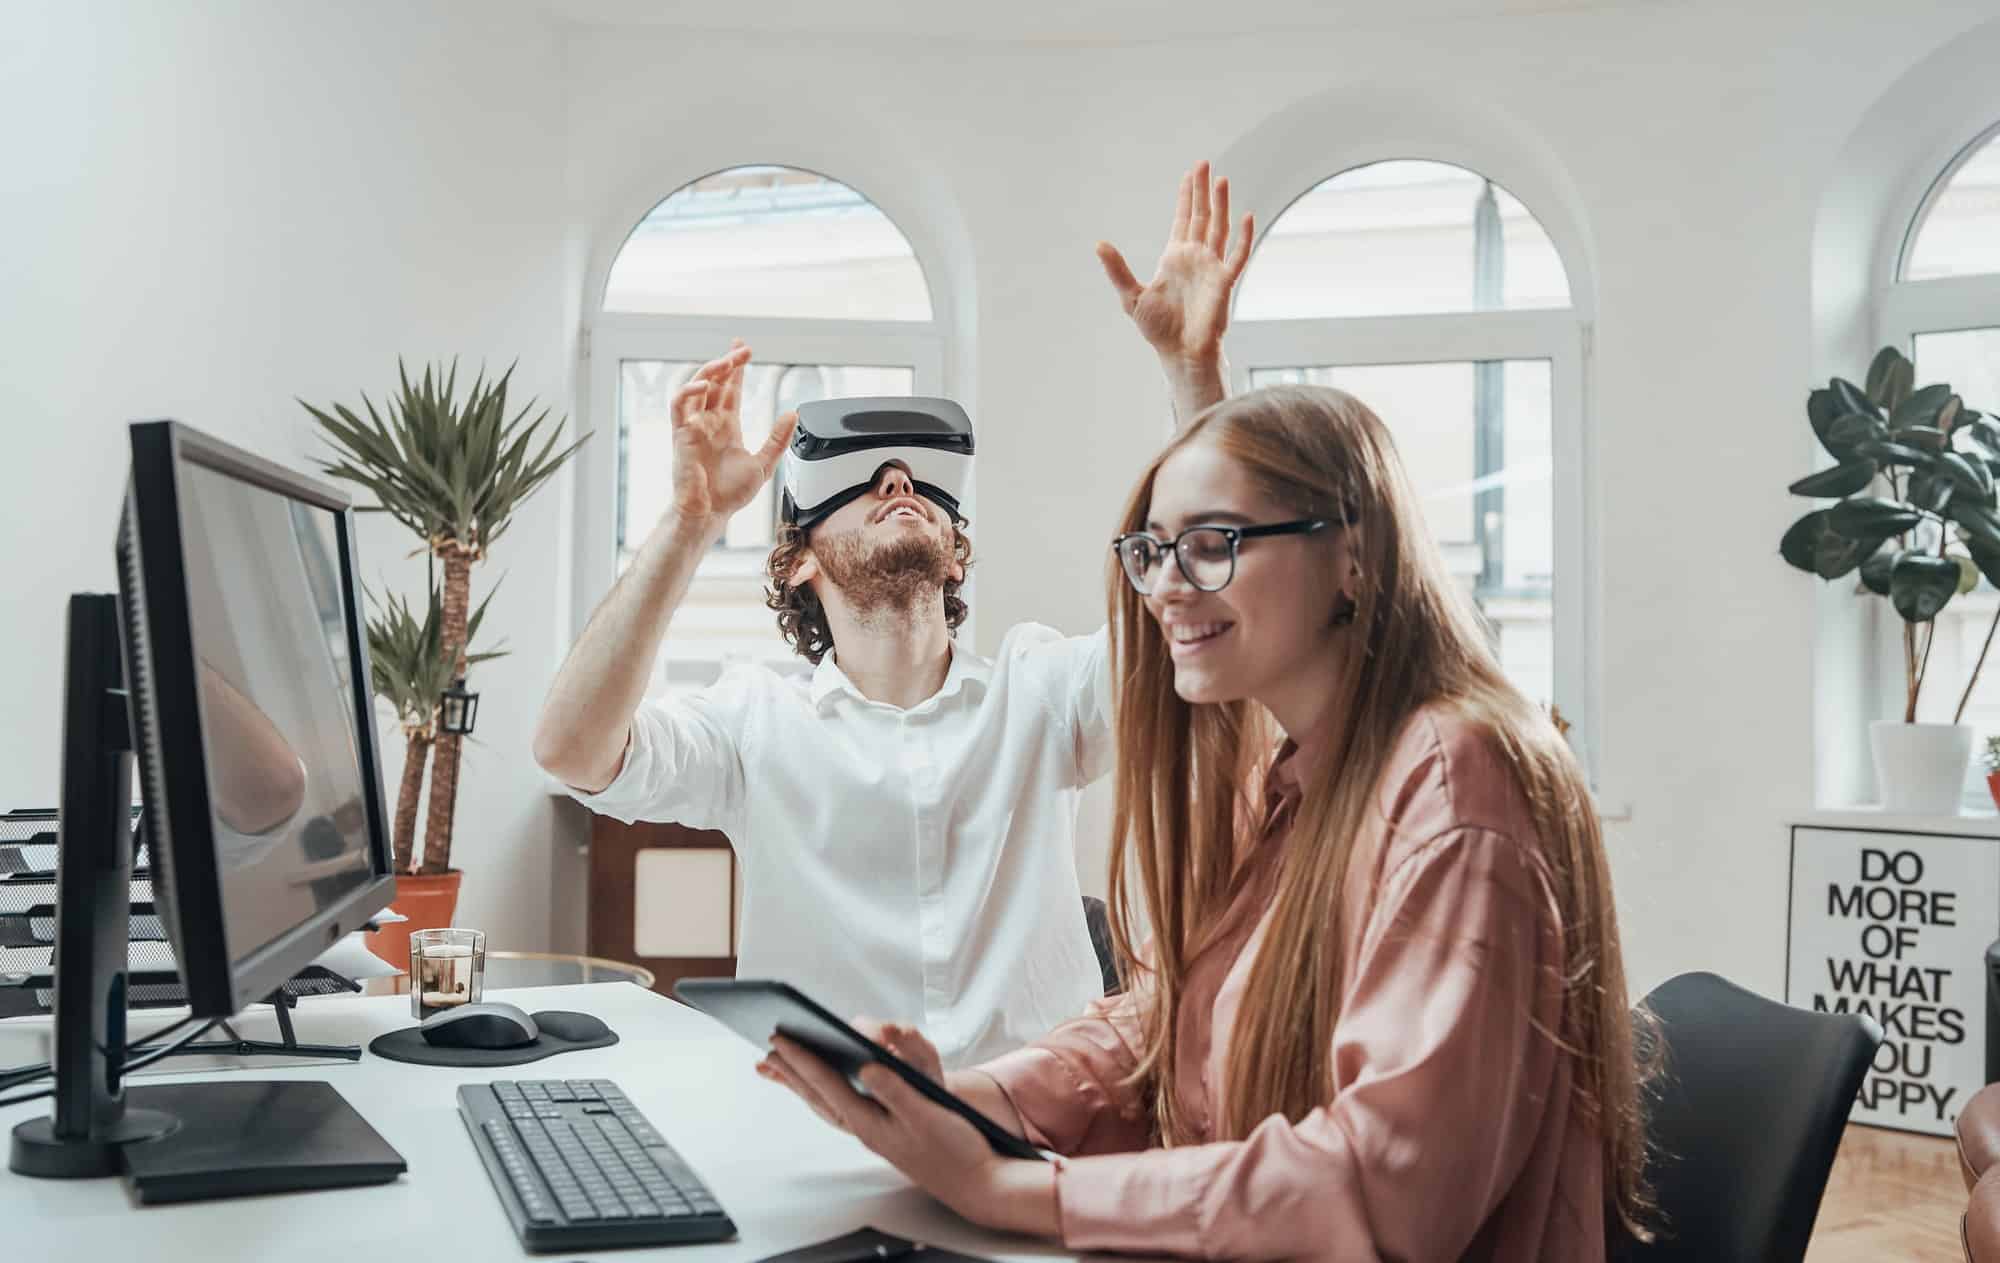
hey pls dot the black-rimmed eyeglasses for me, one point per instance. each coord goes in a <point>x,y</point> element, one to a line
<point>1205,554</point>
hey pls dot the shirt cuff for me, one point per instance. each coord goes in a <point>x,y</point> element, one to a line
<point>1128,1202</point>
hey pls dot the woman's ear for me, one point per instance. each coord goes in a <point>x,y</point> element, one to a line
<point>1346,592</point>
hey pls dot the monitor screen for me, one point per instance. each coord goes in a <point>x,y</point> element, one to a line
<point>276,688</point>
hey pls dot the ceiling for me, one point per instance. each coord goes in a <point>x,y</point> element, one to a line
<point>1048,21</point>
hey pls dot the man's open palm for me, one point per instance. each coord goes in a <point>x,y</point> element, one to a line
<point>715,473</point>
<point>1184,310</point>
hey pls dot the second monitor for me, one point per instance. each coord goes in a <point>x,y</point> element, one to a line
<point>233,662</point>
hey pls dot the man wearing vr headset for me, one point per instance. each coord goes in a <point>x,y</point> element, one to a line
<point>904,820</point>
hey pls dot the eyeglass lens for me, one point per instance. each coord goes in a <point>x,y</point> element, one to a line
<point>1206,559</point>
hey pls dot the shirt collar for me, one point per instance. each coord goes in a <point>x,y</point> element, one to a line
<point>1282,781</point>
<point>1293,761</point>
<point>966,668</point>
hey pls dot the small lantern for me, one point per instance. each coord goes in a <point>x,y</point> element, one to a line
<point>458,710</point>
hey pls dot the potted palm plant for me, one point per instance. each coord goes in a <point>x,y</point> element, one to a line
<point>453,470</point>
<point>411,672</point>
<point>1916,517</point>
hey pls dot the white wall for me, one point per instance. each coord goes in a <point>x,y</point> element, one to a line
<point>1681,148</point>
<point>206,210</point>
<point>274,201</point>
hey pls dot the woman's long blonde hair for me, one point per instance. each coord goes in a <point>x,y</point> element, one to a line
<point>1186,775</point>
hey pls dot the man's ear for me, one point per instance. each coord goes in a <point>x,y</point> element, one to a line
<point>806,570</point>
<point>957,571</point>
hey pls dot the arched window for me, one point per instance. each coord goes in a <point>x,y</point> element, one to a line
<point>768,241</point>
<point>1940,302</point>
<point>1954,234</point>
<point>833,300</point>
<point>1433,295</point>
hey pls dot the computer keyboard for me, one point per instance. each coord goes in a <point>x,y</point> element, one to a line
<point>578,1167</point>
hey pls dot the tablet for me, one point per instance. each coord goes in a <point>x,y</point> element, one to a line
<point>758,1009</point>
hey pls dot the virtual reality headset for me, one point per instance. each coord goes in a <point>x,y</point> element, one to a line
<point>840,446</point>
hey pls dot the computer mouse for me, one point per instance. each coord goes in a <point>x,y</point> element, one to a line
<point>492,1024</point>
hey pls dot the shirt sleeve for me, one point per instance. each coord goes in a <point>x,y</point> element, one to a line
<point>1074,674</point>
<point>1090,706</point>
<point>1446,1074</point>
<point>1069,1087</point>
<point>685,760</point>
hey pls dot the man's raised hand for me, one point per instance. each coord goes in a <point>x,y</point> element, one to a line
<point>1184,310</point>
<point>715,472</point>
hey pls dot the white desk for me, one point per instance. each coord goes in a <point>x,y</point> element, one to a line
<point>785,1177</point>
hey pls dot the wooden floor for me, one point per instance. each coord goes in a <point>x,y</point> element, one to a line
<point>1892,1195</point>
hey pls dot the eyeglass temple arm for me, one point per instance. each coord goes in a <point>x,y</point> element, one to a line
<point>1304,526</point>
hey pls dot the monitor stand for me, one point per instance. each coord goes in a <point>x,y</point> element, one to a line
<point>180,1140</point>
<point>288,1044</point>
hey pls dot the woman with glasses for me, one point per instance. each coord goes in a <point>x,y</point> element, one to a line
<point>1382,1012</point>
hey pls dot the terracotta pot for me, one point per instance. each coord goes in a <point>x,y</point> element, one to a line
<point>428,901</point>
<point>1993,786</point>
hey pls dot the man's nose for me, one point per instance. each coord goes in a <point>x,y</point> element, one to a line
<point>893,481</point>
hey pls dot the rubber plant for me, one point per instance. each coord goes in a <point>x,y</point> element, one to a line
<point>454,471</point>
<point>407,661</point>
<point>1914,510</point>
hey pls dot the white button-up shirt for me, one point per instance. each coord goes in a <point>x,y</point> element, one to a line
<point>917,865</point>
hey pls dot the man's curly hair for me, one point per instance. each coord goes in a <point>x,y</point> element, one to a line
<point>802,619</point>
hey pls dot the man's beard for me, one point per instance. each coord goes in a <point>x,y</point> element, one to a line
<point>891,577</point>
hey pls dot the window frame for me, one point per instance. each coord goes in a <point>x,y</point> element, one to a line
<point>1559,335</point>
<point>1903,311</point>
<point>607,338</point>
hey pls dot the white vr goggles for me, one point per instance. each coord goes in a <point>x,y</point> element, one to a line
<point>840,446</point>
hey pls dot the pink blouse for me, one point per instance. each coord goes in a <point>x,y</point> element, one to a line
<point>1450,1133</point>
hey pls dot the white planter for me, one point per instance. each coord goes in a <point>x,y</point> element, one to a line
<point>1921,767</point>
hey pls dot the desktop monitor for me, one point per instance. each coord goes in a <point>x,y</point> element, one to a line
<point>245,655</point>
<point>233,664</point>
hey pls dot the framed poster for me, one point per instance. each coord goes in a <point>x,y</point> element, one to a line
<point>1895,924</point>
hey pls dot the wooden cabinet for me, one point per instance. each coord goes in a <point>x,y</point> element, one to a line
<point>663,896</point>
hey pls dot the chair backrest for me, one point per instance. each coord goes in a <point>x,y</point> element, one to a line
<point>1098,921</point>
<point>1744,1121</point>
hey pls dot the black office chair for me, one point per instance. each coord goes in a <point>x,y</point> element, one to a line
<point>1744,1121</point>
<point>1099,921</point>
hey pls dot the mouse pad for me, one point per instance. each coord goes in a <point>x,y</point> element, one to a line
<point>408,1044</point>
